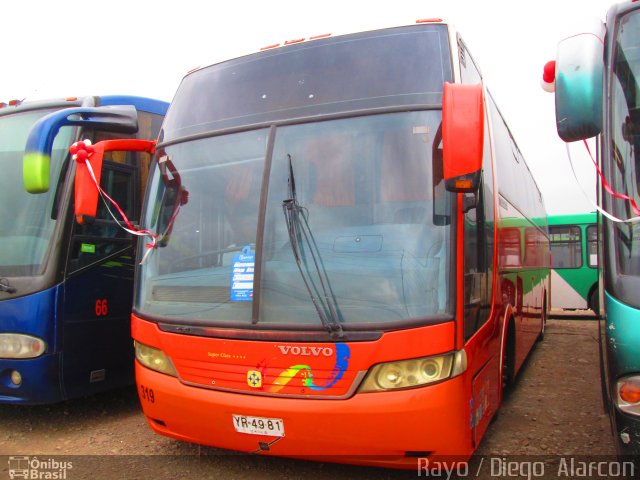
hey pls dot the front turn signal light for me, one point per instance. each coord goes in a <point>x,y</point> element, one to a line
<point>628,394</point>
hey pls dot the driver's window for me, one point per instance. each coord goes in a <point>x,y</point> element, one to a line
<point>103,237</point>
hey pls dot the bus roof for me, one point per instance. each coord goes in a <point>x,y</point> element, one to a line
<point>143,104</point>
<point>369,27</point>
<point>573,219</point>
<point>347,32</point>
<point>140,103</point>
<point>321,78</point>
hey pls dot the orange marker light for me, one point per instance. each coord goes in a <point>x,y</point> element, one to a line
<point>629,390</point>
<point>464,184</point>
<point>429,20</point>
<point>297,40</point>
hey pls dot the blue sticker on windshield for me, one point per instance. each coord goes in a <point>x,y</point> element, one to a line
<point>242,267</point>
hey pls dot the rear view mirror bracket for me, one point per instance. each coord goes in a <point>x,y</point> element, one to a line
<point>37,157</point>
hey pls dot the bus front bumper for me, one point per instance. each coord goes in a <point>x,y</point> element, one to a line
<point>393,429</point>
<point>626,429</point>
<point>40,380</point>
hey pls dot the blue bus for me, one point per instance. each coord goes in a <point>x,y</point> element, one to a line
<point>66,288</point>
<point>597,94</point>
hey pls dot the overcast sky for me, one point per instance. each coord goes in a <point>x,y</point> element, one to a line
<point>144,47</point>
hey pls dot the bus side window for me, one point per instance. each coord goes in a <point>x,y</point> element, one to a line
<point>103,237</point>
<point>566,246</point>
<point>476,299</point>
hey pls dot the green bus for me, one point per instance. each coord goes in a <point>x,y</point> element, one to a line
<point>574,261</point>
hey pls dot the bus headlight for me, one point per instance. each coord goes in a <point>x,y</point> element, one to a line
<point>17,345</point>
<point>154,359</point>
<point>628,394</point>
<point>415,372</point>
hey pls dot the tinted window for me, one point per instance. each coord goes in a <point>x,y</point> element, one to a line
<point>27,221</point>
<point>566,247</point>
<point>364,226</point>
<point>103,236</point>
<point>516,182</point>
<point>401,66</point>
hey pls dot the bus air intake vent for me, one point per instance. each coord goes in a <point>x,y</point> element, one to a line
<point>191,294</point>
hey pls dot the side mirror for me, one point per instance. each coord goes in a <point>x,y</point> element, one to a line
<point>37,157</point>
<point>462,136</point>
<point>86,190</point>
<point>578,77</point>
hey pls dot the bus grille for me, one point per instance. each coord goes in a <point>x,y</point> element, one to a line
<point>275,381</point>
<point>191,294</point>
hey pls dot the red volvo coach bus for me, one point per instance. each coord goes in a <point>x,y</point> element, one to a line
<point>352,256</point>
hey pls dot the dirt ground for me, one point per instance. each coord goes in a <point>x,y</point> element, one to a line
<point>554,409</point>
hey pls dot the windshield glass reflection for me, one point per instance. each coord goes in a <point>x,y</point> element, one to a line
<point>375,247</point>
<point>26,220</point>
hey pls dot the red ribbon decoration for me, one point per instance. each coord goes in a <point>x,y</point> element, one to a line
<point>608,188</point>
<point>87,182</point>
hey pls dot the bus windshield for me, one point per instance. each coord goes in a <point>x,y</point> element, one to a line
<point>27,221</point>
<point>369,243</point>
<point>625,139</point>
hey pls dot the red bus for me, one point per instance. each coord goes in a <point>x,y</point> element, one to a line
<point>352,257</point>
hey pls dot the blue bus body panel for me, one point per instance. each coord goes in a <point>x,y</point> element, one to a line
<point>41,382</point>
<point>141,103</point>
<point>98,350</point>
<point>34,315</point>
<point>86,353</point>
<point>623,353</point>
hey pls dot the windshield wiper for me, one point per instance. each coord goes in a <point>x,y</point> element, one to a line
<point>298,228</point>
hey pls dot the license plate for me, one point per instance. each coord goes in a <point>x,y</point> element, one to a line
<point>273,427</point>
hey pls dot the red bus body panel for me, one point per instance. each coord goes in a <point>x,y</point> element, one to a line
<point>370,428</point>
